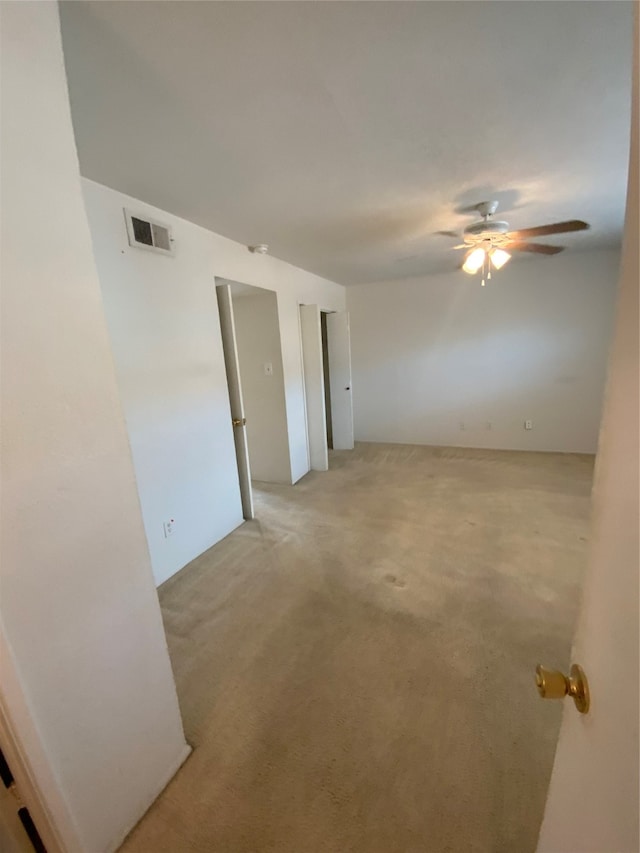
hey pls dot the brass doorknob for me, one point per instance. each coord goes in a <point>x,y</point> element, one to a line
<point>239,422</point>
<point>552,684</point>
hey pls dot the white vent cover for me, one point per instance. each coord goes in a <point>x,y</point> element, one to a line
<point>145,233</point>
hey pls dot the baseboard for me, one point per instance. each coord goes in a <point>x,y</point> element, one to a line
<point>185,753</point>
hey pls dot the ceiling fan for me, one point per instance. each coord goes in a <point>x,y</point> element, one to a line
<point>489,242</point>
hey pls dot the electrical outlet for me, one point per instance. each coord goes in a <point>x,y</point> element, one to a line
<point>268,368</point>
<point>169,527</point>
<point>528,424</point>
<point>463,426</point>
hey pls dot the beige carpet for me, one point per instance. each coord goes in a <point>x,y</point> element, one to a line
<point>355,668</point>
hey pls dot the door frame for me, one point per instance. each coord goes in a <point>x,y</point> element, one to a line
<point>340,379</point>
<point>313,384</point>
<point>236,402</point>
<point>26,784</point>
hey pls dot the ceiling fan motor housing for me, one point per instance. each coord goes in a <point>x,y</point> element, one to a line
<point>487,208</point>
<point>488,227</point>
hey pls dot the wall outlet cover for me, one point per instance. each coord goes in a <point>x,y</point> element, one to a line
<point>528,424</point>
<point>169,527</point>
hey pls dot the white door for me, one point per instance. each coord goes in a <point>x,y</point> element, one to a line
<point>339,349</point>
<point>238,419</point>
<point>311,334</point>
<point>592,806</point>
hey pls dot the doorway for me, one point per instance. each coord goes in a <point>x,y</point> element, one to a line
<point>327,378</point>
<point>255,377</point>
<point>326,360</point>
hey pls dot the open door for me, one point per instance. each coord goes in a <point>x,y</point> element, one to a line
<point>232,365</point>
<point>339,346</point>
<point>310,330</point>
<point>592,806</point>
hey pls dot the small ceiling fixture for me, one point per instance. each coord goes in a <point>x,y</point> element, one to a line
<point>260,249</point>
<point>487,240</point>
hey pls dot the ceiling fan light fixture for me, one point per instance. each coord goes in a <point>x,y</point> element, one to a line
<point>484,240</point>
<point>474,261</point>
<point>499,258</point>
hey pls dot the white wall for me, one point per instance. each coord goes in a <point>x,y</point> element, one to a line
<point>293,287</point>
<point>258,341</point>
<point>432,353</point>
<point>86,679</point>
<point>164,326</point>
<point>165,334</point>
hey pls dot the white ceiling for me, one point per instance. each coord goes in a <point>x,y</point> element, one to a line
<point>344,134</point>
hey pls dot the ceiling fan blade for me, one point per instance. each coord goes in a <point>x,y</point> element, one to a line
<point>536,248</point>
<point>448,233</point>
<point>555,228</point>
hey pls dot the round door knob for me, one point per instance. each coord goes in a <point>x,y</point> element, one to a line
<point>552,684</point>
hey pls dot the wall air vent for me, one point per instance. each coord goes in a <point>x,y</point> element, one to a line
<point>145,233</point>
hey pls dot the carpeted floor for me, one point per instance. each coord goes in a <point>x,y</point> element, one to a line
<point>356,667</point>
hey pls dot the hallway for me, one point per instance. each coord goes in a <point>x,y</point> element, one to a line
<point>356,667</point>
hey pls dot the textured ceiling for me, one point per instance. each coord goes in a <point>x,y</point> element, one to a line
<point>346,134</point>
